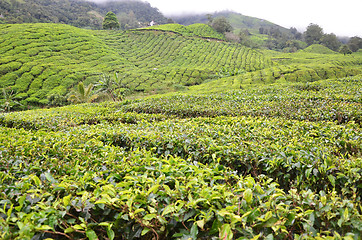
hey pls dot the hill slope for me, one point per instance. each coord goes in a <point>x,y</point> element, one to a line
<point>41,63</point>
<point>40,60</point>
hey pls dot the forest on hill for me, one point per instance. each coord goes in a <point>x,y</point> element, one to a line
<point>78,13</point>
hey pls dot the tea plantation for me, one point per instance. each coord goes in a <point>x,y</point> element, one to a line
<point>267,162</point>
<point>259,145</point>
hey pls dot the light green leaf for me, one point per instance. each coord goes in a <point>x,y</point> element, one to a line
<point>49,177</point>
<point>308,212</point>
<point>78,227</point>
<point>346,214</point>
<point>43,227</point>
<point>223,212</point>
<point>69,230</point>
<point>225,232</point>
<point>110,233</point>
<point>323,200</point>
<point>105,224</point>
<point>153,189</point>
<point>168,209</point>
<point>91,234</point>
<point>149,216</point>
<point>332,179</point>
<point>145,231</point>
<point>248,195</point>
<point>268,215</point>
<point>139,210</point>
<point>66,200</point>
<point>201,223</point>
<point>36,180</point>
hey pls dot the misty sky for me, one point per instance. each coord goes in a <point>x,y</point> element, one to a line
<point>344,18</point>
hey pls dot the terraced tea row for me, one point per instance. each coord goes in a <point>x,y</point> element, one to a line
<point>325,100</point>
<point>178,60</point>
<point>197,29</point>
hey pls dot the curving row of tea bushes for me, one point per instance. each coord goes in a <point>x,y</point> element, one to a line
<point>301,155</point>
<point>68,185</point>
<point>198,29</point>
<point>74,115</point>
<point>167,53</point>
<point>327,100</point>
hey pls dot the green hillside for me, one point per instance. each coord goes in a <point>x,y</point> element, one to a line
<point>42,60</point>
<point>42,63</point>
<point>272,161</point>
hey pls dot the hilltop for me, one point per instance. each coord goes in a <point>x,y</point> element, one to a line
<point>237,20</point>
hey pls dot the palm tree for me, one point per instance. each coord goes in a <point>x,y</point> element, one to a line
<point>8,102</point>
<point>112,87</point>
<point>83,94</point>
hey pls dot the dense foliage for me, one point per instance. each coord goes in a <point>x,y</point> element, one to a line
<point>276,161</point>
<point>110,21</point>
<point>78,13</point>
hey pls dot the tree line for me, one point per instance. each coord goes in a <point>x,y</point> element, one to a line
<point>315,35</point>
<point>278,40</point>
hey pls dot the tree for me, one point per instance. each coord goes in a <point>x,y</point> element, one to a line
<point>331,41</point>
<point>355,43</point>
<point>221,24</point>
<point>9,102</point>
<point>209,18</point>
<point>345,50</point>
<point>128,21</point>
<point>112,88</point>
<point>110,21</point>
<point>313,34</point>
<point>82,94</point>
<point>297,35</point>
